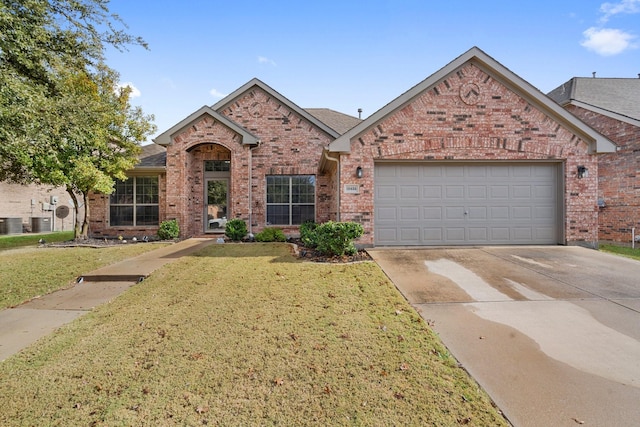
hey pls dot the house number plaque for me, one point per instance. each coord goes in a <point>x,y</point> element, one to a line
<point>352,189</point>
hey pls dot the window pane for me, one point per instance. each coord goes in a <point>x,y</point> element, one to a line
<point>217,165</point>
<point>121,215</point>
<point>147,190</point>
<point>147,215</point>
<point>302,213</point>
<point>303,189</point>
<point>277,189</point>
<point>278,214</point>
<point>122,193</point>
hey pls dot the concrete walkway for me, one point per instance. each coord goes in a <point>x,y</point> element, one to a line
<point>25,324</point>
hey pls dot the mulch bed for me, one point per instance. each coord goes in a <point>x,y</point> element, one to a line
<point>310,254</point>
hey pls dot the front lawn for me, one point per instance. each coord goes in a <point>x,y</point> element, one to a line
<point>622,250</point>
<point>17,240</point>
<point>26,273</point>
<point>245,334</point>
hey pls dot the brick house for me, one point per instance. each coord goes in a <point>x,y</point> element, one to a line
<point>611,106</point>
<point>471,155</point>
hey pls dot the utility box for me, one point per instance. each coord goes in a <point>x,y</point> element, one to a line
<point>10,225</point>
<point>40,224</point>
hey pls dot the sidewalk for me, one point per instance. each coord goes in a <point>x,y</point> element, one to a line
<point>25,324</point>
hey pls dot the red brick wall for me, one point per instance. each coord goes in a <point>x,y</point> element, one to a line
<point>619,176</point>
<point>99,215</point>
<point>499,125</point>
<point>290,145</point>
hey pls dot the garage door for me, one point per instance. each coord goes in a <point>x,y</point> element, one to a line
<point>466,204</point>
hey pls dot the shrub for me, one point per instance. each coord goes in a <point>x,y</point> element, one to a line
<point>336,238</point>
<point>308,234</point>
<point>271,234</point>
<point>169,230</point>
<point>235,229</point>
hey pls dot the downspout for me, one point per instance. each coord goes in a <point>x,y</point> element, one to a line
<point>331,159</point>
<point>250,189</point>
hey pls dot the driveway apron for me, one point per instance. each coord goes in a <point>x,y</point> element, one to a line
<point>551,333</point>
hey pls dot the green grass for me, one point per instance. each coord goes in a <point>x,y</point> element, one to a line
<point>14,241</point>
<point>622,250</point>
<point>245,334</point>
<point>29,272</point>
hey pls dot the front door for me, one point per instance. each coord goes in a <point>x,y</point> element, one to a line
<point>217,197</point>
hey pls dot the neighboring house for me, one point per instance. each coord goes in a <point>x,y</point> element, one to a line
<point>32,208</point>
<point>611,106</point>
<point>471,155</point>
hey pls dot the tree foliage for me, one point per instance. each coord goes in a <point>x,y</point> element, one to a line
<point>63,120</point>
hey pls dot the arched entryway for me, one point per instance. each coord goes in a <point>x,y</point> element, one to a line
<point>210,170</point>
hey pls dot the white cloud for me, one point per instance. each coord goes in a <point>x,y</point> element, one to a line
<point>216,93</point>
<point>265,60</point>
<point>135,92</point>
<point>607,41</point>
<point>625,6</point>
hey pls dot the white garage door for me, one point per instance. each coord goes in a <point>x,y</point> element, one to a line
<point>466,204</point>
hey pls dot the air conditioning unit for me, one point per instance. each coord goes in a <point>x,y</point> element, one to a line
<point>46,206</point>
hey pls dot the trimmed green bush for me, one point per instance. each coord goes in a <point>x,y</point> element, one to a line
<point>336,238</point>
<point>236,229</point>
<point>169,230</point>
<point>271,234</point>
<point>308,234</point>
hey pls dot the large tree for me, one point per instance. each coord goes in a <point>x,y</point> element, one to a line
<point>63,120</point>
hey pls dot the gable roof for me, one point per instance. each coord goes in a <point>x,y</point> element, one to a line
<point>166,138</point>
<point>476,56</point>
<point>613,97</point>
<point>339,122</point>
<point>231,98</point>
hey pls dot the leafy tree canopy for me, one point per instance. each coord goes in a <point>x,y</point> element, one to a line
<point>63,121</point>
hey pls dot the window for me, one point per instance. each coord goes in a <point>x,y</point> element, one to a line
<point>291,199</point>
<point>134,202</point>
<point>217,165</point>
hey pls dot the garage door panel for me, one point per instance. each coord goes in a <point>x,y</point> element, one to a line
<point>544,212</point>
<point>463,204</point>
<point>477,192</point>
<point>387,236</point>
<point>521,191</point>
<point>454,213</point>
<point>386,192</point>
<point>409,192</point>
<point>478,234</point>
<point>409,213</point>
<point>499,212</point>
<point>477,213</point>
<point>455,235</point>
<point>384,214</point>
<point>432,235</point>
<point>500,234</point>
<point>454,192</point>
<point>521,213</point>
<point>499,192</point>
<point>431,192</point>
<point>410,234</point>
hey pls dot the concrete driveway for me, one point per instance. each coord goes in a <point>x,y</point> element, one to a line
<point>551,333</point>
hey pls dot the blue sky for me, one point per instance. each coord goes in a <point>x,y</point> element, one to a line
<point>346,55</point>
